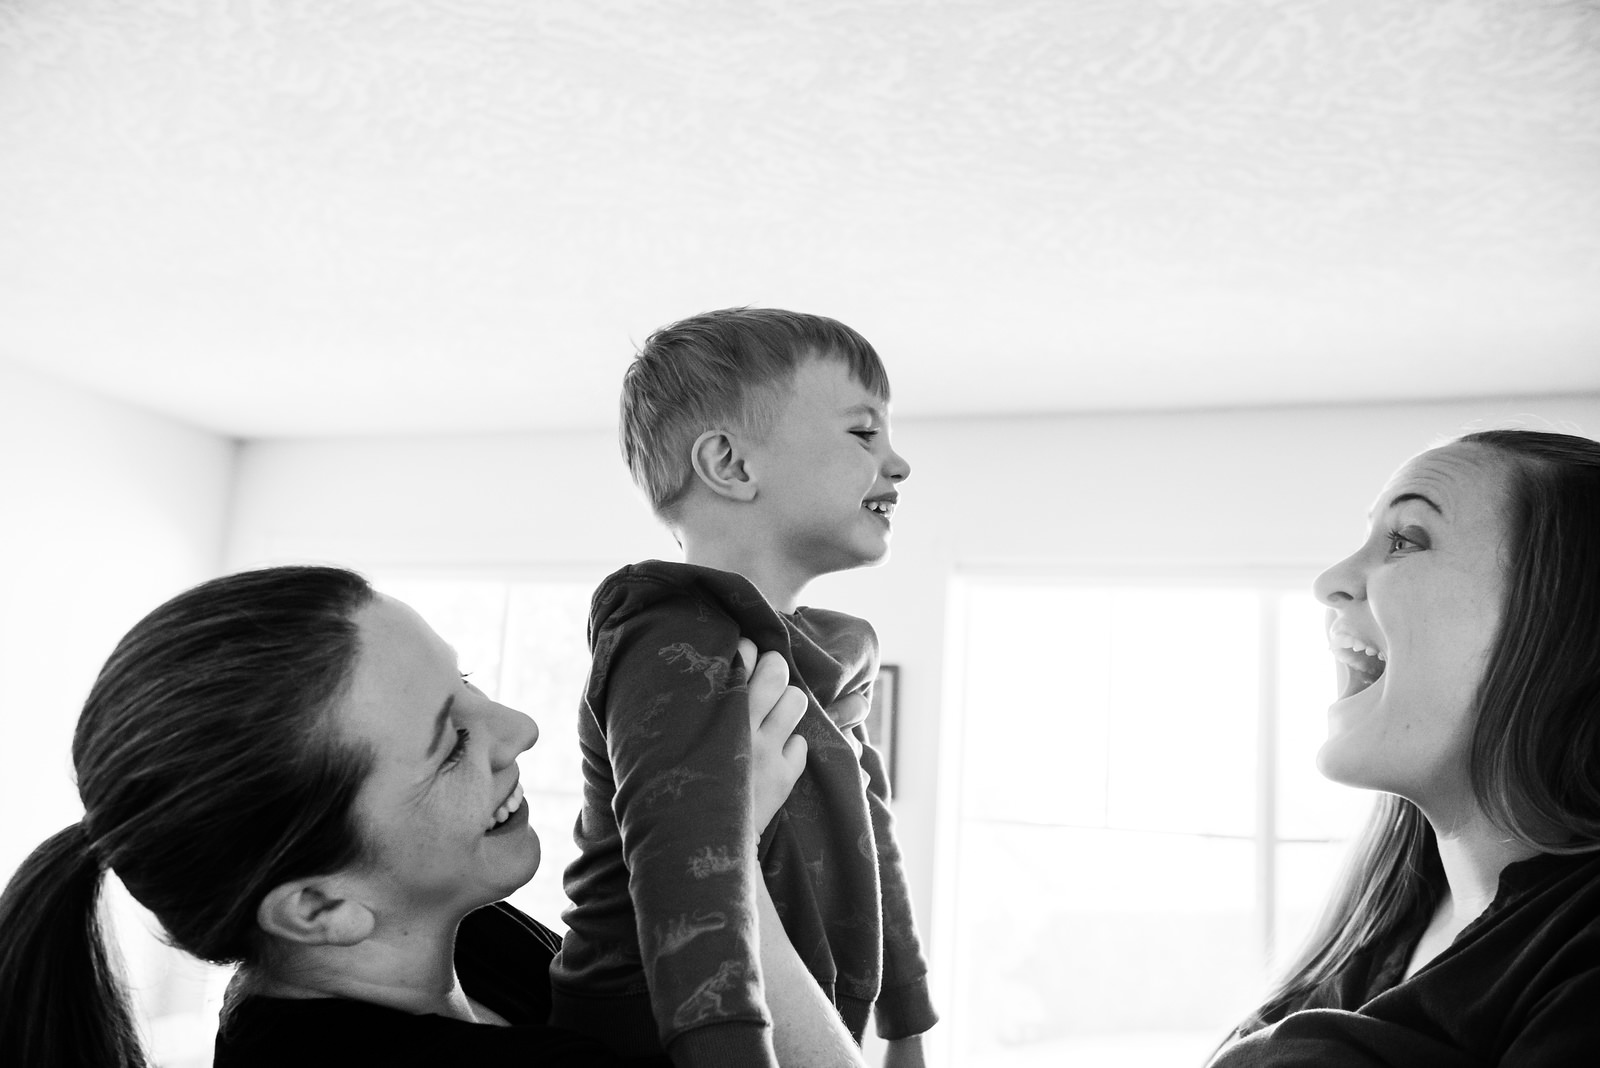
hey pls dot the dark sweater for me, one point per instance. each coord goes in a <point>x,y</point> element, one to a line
<point>502,960</point>
<point>1520,986</point>
<point>661,950</point>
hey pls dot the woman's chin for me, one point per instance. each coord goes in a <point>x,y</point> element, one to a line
<point>1345,760</point>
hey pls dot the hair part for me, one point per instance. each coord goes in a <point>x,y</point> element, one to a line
<point>1534,757</point>
<point>727,368</point>
<point>210,771</point>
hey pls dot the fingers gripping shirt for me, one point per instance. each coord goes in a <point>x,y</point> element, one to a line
<point>662,933</point>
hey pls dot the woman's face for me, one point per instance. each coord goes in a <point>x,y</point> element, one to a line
<point>442,808</point>
<point>1414,613</point>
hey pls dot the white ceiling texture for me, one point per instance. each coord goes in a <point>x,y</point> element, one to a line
<point>300,217</point>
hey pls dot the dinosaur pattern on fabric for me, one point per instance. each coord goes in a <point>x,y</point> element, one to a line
<point>667,853</point>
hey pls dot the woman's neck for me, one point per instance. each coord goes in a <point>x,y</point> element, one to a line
<point>1473,853</point>
<point>408,970</point>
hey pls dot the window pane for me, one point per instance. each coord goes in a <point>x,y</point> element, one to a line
<point>1306,872</point>
<point>547,664</point>
<point>1106,906</point>
<point>1080,945</point>
<point>1309,806</point>
<point>1184,682</point>
<point>1037,705</point>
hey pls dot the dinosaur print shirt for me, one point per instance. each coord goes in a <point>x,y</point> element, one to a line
<point>661,951</point>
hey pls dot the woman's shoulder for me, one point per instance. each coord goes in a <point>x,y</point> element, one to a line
<point>336,1032</point>
<point>502,957</point>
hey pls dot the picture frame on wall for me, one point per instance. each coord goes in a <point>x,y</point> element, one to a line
<point>881,717</point>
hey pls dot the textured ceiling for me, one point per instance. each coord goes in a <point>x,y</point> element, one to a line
<point>276,217</point>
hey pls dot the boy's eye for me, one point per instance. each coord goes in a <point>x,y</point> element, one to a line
<point>867,434</point>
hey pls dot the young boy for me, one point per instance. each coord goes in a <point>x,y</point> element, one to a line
<point>762,440</point>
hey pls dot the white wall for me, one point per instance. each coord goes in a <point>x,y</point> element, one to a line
<point>104,512</point>
<point>1237,489</point>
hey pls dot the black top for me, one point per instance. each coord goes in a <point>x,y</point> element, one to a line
<point>1520,986</point>
<point>503,959</point>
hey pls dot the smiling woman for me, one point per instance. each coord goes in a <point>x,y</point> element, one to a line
<point>291,773</point>
<point>1467,627</point>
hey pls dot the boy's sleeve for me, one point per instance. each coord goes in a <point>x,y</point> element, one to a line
<point>677,736</point>
<point>904,1006</point>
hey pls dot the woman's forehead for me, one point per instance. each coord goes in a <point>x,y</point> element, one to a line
<point>399,671</point>
<point>1455,478</point>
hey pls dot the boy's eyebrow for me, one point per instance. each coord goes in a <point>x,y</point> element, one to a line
<point>866,409</point>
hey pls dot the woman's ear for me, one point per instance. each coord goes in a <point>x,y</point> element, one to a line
<point>315,912</point>
<point>717,457</point>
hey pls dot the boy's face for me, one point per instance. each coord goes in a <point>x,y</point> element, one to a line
<point>826,475</point>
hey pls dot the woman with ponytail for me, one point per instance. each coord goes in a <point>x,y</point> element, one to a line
<point>1466,927</point>
<point>288,770</point>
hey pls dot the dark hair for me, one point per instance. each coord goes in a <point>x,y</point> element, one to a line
<point>722,365</point>
<point>1534,760</point>
<point>209,773</point>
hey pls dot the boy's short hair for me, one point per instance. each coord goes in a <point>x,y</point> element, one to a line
<point>722,367</point>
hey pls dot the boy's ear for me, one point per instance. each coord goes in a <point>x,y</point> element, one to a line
<point>315,912</point>
<point>719,463</point>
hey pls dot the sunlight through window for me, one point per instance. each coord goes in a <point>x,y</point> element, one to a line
<point>1140,820</point>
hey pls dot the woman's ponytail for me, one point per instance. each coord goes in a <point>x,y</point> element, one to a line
<point>64,1002</point>
<point>210,771</point>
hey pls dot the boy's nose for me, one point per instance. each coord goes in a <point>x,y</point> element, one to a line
<point>896,468</point>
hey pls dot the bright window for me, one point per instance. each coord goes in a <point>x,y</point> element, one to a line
<point>1139,821</point>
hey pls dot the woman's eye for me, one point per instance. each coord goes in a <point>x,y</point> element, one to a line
<point>456,751</point>
<point>1399,542</point>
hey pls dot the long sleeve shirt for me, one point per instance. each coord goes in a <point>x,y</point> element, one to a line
<point>1519,986</point>
<point>661,951</point>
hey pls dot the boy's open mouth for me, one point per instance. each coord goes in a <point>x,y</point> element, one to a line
<point>1363,663</point>
<point>883,506</point>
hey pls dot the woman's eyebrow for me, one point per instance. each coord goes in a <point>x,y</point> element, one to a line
<point>1402,498</point>
<point>439,722</point>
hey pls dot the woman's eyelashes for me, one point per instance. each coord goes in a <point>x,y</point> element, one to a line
<point>456,751</point>
<point>1409,539</point>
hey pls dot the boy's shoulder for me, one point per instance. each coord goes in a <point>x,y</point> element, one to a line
<point>657,586</point>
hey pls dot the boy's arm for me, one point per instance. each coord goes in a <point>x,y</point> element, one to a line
<point>678,740</point>
<point>903,1053</point>
<point>904,1007</point>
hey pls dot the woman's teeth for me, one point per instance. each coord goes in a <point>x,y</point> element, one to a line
<point>507,807</point>
<point>1364,663</point>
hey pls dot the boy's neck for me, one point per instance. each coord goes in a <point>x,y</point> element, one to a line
<point>779,581</point>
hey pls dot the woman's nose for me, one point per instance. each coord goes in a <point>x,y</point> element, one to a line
<point>1344,581</point>
<point>515,732</point>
